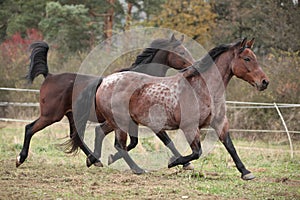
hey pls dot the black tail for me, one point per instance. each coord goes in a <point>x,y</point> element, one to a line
<point>38,61</point>
<point>81,110</point>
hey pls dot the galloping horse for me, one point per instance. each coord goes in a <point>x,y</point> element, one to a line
<point>57,89</point>
<point>190,100</point>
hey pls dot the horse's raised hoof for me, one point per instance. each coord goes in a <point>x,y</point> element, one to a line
<point>18,162</point>
<point>98,164</point>
<point>110,159</point>
<point>248,177</point>
<point>188,166</point>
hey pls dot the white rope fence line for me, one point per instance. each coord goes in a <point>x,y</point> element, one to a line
<point>32,104</point>
<point>204,129</point>
<point>250,104</point>
<point>19,89</point>
<point>19,104</point>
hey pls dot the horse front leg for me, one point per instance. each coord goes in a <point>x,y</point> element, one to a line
<point>193,138</point>
<point>227,142</point>
<point>120,145</point>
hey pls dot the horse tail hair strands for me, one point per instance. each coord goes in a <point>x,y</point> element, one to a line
<point>38,61</point>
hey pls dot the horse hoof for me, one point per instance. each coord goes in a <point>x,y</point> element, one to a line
<point>110,159</point>
<point>88,162</point>
<point>91,159</point>
<point>18,162</point>
<point>98,164</point>
<point>139,171</point>
<point>248,177</point>
<point>189,166</point>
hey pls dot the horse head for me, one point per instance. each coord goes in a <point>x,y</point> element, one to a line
<point>179,57</point>
<point>245,66</point>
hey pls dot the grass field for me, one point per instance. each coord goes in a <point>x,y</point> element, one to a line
<point>48,173</point>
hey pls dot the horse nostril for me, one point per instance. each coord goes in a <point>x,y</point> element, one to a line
<point>265,82</point>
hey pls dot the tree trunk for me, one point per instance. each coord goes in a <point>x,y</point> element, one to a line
<point>108,20</point>
<point>128,16</point>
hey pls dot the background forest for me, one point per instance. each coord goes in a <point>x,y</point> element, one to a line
<point>73,28</point>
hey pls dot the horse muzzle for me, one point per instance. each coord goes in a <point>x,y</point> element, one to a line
<point>263,85</point>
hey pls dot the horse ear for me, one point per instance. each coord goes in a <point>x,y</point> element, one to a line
<point>172,37</point>
<point>182,38</point>
<point>250,43</point>
<point>243,43</point>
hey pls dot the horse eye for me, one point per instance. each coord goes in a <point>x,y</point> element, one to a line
<point>181,53</point>
<point>247,59</point>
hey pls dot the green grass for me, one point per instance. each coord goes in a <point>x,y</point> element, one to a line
<point>48,173</point>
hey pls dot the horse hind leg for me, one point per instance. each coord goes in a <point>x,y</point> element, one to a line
<point>30,130</point>
<point>120,145</point>
<point>133,135</point>
<point>76,139</point>
<point>100,133</point>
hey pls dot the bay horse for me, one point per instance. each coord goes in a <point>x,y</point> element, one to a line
<point>57,90</point>
<point>190,100</point>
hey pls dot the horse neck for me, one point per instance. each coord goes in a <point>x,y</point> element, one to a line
<point>157,67</point>
<point>223,64</point>
<point>215,78</point>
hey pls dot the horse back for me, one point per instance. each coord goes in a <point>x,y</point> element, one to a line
<point>58,91</point>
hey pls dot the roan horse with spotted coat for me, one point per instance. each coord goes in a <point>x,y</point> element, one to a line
<point>190,100</point>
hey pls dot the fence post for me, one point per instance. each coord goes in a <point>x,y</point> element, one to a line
<point>286,129</point>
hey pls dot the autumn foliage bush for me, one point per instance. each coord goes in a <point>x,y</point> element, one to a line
<point>16,47</point>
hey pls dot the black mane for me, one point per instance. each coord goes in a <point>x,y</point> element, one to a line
<point>208,59</point>
<point>148,54</point>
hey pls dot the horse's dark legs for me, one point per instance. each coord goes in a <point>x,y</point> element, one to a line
<point>193,138</point>
<point>222,130</point>
<point>73,132</point>
<point>133,135</point>
<point>83,147</point>
<point>100,132</point>
<point>163,136</point>
<point>120,145</point>
<point>30,130</point>
<point>226,140</point>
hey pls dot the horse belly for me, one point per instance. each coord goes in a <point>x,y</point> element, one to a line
<point>154,106</point>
